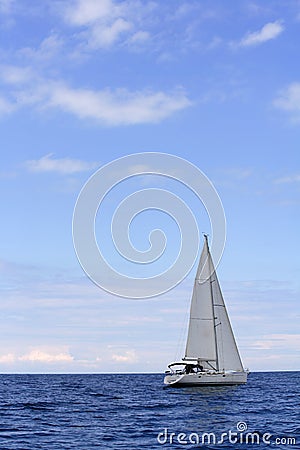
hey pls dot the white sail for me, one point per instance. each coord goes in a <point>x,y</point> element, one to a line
<point>228,354</point>
<point>201,340</point>
<point>210,337</point>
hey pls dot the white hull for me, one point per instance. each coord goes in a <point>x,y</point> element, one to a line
<point>206,379</point>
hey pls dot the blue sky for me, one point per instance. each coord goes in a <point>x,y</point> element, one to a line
<point>85,82</point>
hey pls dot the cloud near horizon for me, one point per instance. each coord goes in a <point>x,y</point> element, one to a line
<point>38,355</point>
<point>128,357</point>
<point>278,341</point>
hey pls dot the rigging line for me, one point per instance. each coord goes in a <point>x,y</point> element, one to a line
<point>183,330</point>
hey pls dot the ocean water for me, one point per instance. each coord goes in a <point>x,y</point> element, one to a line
<point>122,411</point>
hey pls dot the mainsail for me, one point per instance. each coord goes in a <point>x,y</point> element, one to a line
<point>210,337</point>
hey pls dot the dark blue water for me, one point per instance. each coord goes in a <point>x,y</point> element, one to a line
<point>129,411</point>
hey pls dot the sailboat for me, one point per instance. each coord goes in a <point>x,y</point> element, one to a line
<point>211,354</point>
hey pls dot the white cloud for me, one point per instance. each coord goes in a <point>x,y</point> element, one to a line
<point>119,107</point>
<point>184,9</point>
<point>106,106</point>
<point>37,355</point>
<point>54,355</point>
<point>15,75</point>
<point>84,12</point>
<point>6,6</point>
<point>104,23</point>
<point>127,357</point>
<point>269,31</point>
<point>105,36</point>
<point>237,173</point>
<point>48,48</point>
<point>289,100</point>
<point>139,37</point>
<point>214,43</point>
<point>60,165</point>
<point>279,341</point>
<point>6,107</point>
<point>8,358</point>
<point>288,179</point>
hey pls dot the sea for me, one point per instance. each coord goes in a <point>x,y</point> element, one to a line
<point>136,411</point>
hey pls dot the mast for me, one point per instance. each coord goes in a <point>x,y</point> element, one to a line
<point>211,272</point>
